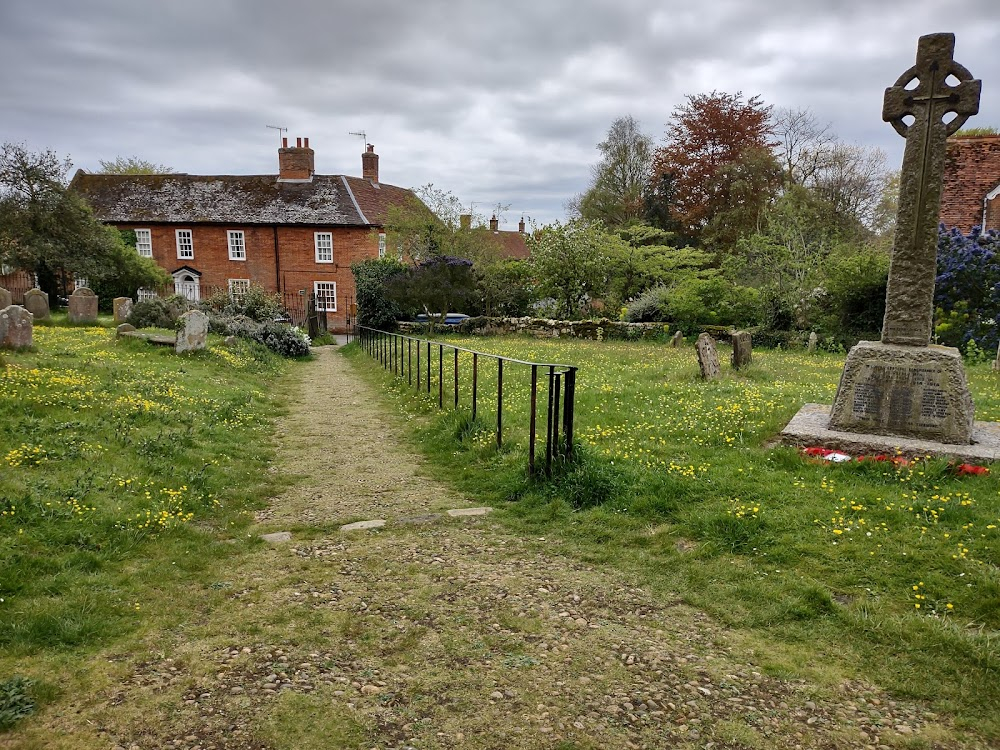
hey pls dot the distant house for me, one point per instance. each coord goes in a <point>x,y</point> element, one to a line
<point>295,233</point>
<point>971,192</point>
<point>510,244</point>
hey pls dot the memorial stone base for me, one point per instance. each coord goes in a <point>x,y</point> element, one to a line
<point>904,391</point>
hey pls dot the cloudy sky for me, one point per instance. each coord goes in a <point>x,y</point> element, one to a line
<point>499,102</point>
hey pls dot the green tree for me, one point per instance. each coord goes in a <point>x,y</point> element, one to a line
<point>570,263</point>
<point>619,180</point>
<point>49,230</point>
<point>376,308</point>
<point>125,272</point>
<point>132,165</point>
<point>435,286</point>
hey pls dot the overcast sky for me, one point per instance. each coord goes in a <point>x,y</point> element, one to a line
<point>500,102</point>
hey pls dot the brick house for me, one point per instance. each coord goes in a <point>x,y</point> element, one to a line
<point>295,233</point>
<point>971,191</point>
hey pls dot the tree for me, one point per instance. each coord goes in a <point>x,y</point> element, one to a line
<point>435,286</point>
<point>49,230</point>
<point>708,134</point>
<point>619,179</point>
<point>570,263</point>
<point>803,145</point>
<point>376,309</point>
<point>132,165</point>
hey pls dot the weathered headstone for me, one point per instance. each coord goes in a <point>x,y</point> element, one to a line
<point>122,308</point>
<point>5,299</point>
<point>124,328</point>
<point>16,327</point>
<point>37,303</point>
<point>193,334</point>
<point>677,339</point>
<point>813,340</point>
<point>901,385</point>
<point>83,306</point>
<point>708,357</point>
<point>742,350</point>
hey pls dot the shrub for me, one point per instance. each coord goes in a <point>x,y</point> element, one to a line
<point>375,308</point>
<point>967,289</point>
<point>15,701</point>
<point>233,325</point>
<point>650,306</point>
<point>288,341</point>
<point>151,313</point>
<point>256,303</point>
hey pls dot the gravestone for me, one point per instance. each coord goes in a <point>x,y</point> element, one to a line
<point>708,357</point>
<point>37,303</point>
<point>902,385</point>
<point>742,350</point>
<point>5,299</point>
<point>193,334</point>
<point>677,339</point>
<point>82,306</point>
<point>123,328</point>
<point>122,308</point>
<point>16,327</point>
<point>813,340</point>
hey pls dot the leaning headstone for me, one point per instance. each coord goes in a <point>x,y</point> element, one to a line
<point>677,339</point>
<point>742,350</point>
<point>193,334</point>
<point>813,340</point>
<point>5,299</point>
<point>902,385</point>
<point>708,357</point>
<point>122,308</point>
<point>37,303</point>
<point>83,306</point>
<point>16,327</point>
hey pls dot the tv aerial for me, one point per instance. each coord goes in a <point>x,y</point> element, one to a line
<point>361,134</point>
<point>279,129</point>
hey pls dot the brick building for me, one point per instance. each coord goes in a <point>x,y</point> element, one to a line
<point>971,191</point>
<point>295,233</point>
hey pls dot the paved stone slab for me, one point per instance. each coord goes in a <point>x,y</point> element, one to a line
<point>413,520</point>
<point>462,512</point>
<point>811,427</point>
<point>375,523</point>
<point>277,537</point>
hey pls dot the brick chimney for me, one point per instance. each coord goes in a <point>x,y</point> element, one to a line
<point>369,164</point>
<point>465,221</point>
<point>296,163</point>
<point>520,225</point>
<point>494,223</point>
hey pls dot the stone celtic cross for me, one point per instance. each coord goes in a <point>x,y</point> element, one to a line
<point>926,93</point>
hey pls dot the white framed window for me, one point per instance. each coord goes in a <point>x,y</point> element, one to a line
<point>81,281</point>
<point>326,295</point>
<point>381,244</point>
<point>238,287</point>
<point>324,247</point>
<point>144,242</point>
<point>237,245</point>
<point>185,244</point>
<point>142,294</point>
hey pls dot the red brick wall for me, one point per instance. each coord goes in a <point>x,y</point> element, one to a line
<point>971,171</point>
<point>296,267</point>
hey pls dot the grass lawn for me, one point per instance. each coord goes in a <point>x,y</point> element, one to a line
<point>874,571</point>
<point>125,475</point>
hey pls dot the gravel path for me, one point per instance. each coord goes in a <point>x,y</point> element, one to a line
<point>450,633</point>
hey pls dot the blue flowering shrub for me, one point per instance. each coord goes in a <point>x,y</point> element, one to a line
<point>967,290</point>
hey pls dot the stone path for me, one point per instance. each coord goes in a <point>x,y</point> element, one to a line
<point>437,631</point>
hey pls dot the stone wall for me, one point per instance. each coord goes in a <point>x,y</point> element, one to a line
<point>596,330</point>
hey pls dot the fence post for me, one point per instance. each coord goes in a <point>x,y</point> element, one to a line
<point>569,409</point>
<point>440,376</point>
<point>428,367</point>
<point>475,382</point>
<point>548,423</point>
<point>456,378</point>
<point>499,403</point>
<point>555,415</point>
<point>409,361</point>
<point>531,427</point>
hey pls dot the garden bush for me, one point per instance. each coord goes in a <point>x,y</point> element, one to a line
<point>288,341</point>
<point>256,303</point>
<point>151,313</point>
<point>967,288</point>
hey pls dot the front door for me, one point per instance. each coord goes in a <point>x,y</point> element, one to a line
<point>188,286</point>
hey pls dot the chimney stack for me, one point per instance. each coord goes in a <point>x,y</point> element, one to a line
<point>465,221</point>
<point>494,223</point>
<point>296,164</point>
<point>369,164</point>
<point>520,226</point>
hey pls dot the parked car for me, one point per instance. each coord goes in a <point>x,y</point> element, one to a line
<point>450,319</point>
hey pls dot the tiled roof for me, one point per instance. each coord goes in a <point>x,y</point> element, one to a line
<point>236,199</point>
<point>512,244</point>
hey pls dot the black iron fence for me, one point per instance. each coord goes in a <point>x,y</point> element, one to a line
<point>414,359</point>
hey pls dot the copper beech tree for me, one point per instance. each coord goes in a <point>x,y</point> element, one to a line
<point>717,159</point>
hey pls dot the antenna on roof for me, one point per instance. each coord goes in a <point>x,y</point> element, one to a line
<point>361,135</point>
<point>279,129</point>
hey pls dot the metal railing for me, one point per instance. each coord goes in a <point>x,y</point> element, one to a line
<point>413,358</point>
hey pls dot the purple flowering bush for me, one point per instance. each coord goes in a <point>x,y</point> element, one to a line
<point>967,289</point>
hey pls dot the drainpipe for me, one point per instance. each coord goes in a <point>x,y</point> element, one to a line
<point>277,260</point>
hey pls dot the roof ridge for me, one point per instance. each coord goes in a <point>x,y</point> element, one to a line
<point>354,200</point>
